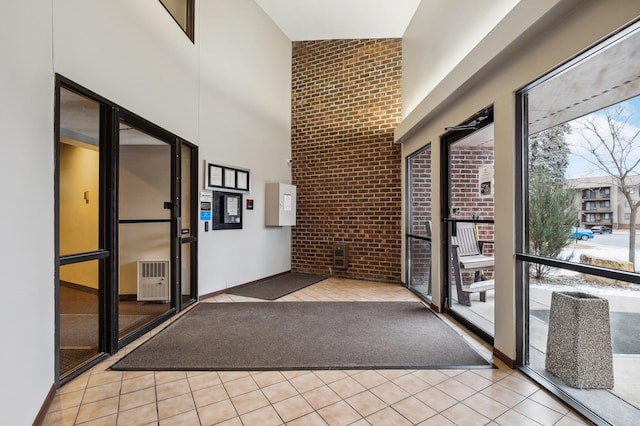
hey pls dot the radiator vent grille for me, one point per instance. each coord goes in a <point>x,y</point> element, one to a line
<point>153,280</point>
<point>153,269</point>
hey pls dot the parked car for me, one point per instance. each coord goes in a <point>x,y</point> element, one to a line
<point>580,234</point>
<point>601,229</point>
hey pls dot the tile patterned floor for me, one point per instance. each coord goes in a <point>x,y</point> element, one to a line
<point>353,397</point>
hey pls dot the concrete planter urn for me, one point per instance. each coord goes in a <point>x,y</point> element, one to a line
<point>579,341</point>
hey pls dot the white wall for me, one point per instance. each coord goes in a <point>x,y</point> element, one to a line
<point>26,225</point>
<point>134,54</point>
<point>491,74</point>
<point>245,110</point>
<point>229,93</point>
<point>441,34</point>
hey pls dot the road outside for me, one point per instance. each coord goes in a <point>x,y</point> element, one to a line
<point>614,246</point>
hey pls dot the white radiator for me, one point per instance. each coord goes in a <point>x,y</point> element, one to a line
<point>153,280</point>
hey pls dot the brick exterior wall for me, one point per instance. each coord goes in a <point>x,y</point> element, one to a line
<point>465,178</point>
<point>420,186</point>
<point>465,169</point>
<point>346,102</point>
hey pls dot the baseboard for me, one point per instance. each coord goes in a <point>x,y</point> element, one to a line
<point>79,287</point>
<point>511,363</point>
<point>212,294</point>
<point>45,406</point>
<point>128,297</point>
<point>435,308</point>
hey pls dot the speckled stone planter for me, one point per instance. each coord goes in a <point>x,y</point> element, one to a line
<point>579,341</point>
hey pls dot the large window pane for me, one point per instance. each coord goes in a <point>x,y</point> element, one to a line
<point>583,188</point>
<point>583,179</point>
<point>79,315</point>
<point>419,226</point>
<point>79,173</point>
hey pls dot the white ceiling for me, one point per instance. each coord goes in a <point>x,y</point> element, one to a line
<point>304,20</point>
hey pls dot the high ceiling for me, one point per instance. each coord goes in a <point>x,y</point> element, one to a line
<point>304,20</point>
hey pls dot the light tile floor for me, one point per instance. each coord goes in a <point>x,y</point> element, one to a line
<point>499,396</point>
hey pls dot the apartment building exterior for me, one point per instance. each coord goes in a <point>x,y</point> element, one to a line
<point>601,202</point>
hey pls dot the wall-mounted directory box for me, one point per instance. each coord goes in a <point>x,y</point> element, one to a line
<point>280,204</point>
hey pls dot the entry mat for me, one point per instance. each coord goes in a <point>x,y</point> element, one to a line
<point>305,335</point>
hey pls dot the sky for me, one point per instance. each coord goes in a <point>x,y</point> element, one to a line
<point>581,167</point>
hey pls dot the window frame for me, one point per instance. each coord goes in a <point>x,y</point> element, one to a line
<point>189,27</point>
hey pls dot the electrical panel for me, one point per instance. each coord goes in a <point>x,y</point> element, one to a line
<point>280,204</point>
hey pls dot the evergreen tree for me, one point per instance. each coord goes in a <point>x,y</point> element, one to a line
<point>552,209</point>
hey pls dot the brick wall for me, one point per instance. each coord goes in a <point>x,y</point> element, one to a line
<point>465,178</point>
<point>420,212</point>
<point>345,104</point>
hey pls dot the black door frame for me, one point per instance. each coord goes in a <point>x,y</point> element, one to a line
<point>107,255</point>
<point>453,134</point>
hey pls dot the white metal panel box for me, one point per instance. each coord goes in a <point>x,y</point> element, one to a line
<point>280,204</point>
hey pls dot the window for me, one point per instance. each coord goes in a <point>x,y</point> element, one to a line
<point>183,13</point>
<point>418,231</point>
<point>585,126</point>
<point>101,236</point>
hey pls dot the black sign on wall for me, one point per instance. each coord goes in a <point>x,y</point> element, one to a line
<point>227,210</point>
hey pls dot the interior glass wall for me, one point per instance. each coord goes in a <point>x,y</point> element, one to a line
<point>418,223</point>
<point>126,257</point>
<point>80,244</point>
<point>581,150</point>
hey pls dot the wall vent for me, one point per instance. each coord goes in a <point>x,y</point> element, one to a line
<point>153,280</point>
<point>340,255</point>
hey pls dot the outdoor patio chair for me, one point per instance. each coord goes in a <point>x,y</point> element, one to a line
<point>467,256</point>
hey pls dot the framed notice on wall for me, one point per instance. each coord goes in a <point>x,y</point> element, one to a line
<point>242,180</point>
<point>219,176</point>
<point>214,176</point>
<point>486,180</point>
<point>229,180</point>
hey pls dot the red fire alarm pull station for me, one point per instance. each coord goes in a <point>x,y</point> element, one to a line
<point>249,204</point>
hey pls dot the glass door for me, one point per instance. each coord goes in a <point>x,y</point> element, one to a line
<point>126,227</point>
<point>468,212</point>
<point>145,228</point>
